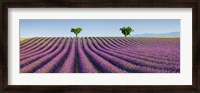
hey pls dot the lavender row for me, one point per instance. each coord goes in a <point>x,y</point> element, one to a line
<point>25,41</point>
<point>122,63</point>
<point>134,49</point>
<point>28,42</point>
<point>136,53</point>
<point>69,64</point>
<point>43,60</point>
<point>136,61</point>
<point>85,65</point>
<point>101,63</point>
<point>53,64</point>
<point>40,50</point>
<point>36,57</point>
<point>31,44</point>
<point>34,46</point>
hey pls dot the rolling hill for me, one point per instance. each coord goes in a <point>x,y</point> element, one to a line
<point>157,35</point>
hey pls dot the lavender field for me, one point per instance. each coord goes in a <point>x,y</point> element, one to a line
<point>100,55</point>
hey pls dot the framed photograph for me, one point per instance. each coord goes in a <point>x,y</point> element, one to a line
<point>94,46</point>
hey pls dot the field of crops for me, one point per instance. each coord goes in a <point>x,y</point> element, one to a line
<point>100,55</point>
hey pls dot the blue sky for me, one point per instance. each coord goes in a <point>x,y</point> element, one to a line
<point>94,27</point>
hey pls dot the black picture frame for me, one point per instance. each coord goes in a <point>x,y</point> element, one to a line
<point>194,4</point>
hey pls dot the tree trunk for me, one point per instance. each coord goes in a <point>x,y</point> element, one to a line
<point>76,35</point>
<point>125,35</point>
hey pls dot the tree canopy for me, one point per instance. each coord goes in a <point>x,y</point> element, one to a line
<point>126,31</point>
<point>76,30</point>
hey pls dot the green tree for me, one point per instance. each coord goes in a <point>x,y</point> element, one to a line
<point>126,31</point>
<point>76,30</point>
